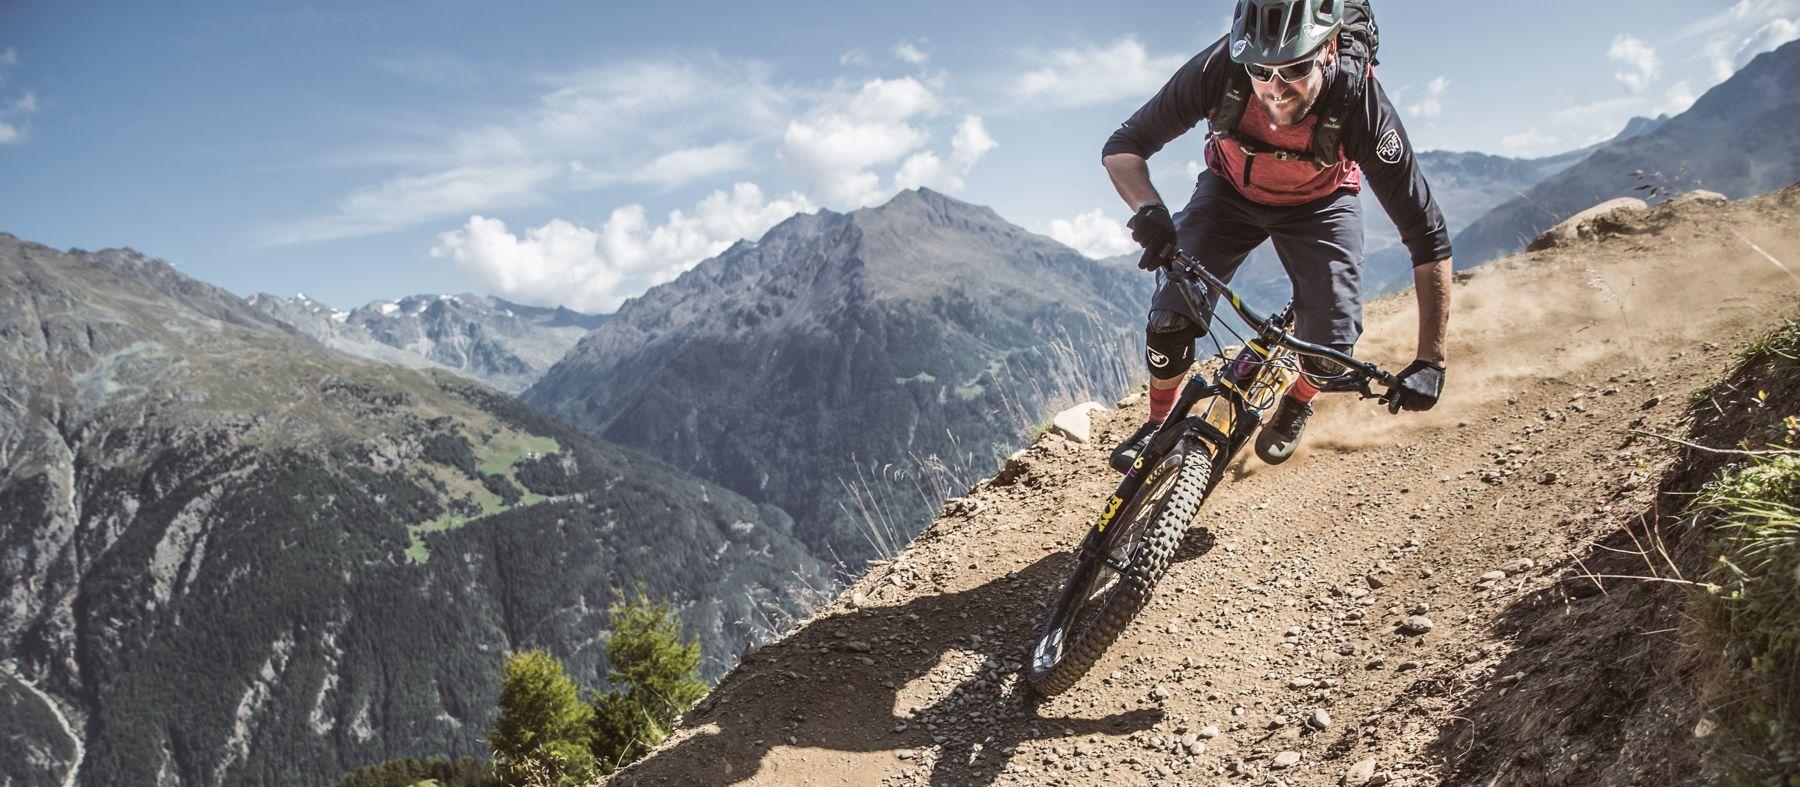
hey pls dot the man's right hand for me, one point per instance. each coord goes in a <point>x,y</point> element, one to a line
<point>1154,229</point>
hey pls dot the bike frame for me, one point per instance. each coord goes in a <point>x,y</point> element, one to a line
<point>1230,418</point>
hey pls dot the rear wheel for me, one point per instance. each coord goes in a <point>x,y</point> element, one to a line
<point>1102,596</point>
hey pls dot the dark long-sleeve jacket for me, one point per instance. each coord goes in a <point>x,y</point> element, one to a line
<point>1374,142</point>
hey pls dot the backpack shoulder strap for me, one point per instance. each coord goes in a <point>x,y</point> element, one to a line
<point>1341,102</point>
<point>1358,45</point>
<point>1230,111</point>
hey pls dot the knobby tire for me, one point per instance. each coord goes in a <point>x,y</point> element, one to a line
<point>1149,560</point>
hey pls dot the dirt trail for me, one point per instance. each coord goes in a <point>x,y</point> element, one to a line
<point>1289,593</point>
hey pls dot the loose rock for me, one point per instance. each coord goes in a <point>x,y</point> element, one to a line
<point>1319,720</point>
<point>1076,423</point>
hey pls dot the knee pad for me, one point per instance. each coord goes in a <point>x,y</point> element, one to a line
<point>1169,344</point>
<point>1320,371</point>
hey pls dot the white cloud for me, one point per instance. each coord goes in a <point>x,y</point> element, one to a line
<point>1529,143</point>
<point>1735,36</point>
<point>838,144</point>
<point>1681,96</point>
<point>967,147</point>
<point>562,264</point>
<point>1606,113</point>
<point>690,164</point>
<point>1638,63</point>
<point>1432,105</point>
<point>1742,15</point>
<point>14,111</point>
<point>1121,72</point>
<point>1093,234</point>
<point>854,57</point>
<point>1770,36</point>
<point>689,118</point>
<point>915,52</point>
<point>633,106</point>
<point>411,200</point>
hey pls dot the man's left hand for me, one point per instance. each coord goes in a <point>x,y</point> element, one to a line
<point>1417,388</point>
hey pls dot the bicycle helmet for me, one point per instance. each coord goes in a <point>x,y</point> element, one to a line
<point>1265,32</point>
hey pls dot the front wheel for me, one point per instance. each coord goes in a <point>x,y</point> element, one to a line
<point>1109,587</point>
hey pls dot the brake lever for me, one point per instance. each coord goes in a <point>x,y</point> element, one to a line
<point>1368,393</point>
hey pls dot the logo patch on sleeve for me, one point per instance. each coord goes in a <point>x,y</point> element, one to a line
<point>1389,149</point>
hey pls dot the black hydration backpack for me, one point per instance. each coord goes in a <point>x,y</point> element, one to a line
<point>1358,43</point>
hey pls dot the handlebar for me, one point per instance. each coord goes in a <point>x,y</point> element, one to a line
<point>1264,324</point>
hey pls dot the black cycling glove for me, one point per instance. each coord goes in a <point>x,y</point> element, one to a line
<point>1417,388</point>
<point>1154,230</point>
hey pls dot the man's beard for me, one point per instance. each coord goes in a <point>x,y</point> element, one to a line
<point>1299,116</point>
<point>1328,74</point>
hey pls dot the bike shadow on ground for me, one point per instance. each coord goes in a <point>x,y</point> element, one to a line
<point>817,691</point>
<point>1195,544</point>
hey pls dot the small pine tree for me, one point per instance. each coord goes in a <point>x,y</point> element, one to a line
<point>655,678</point>
<point>544,732</point>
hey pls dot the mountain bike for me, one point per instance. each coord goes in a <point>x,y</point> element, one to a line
<point>1130,545</point>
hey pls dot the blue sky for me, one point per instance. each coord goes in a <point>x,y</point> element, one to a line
<point>540,151</point>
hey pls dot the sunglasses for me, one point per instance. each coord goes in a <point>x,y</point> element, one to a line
<point>1290,73</point>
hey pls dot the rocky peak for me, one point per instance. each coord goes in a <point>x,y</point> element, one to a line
<point>924,208</point>
<point>1639,126</point>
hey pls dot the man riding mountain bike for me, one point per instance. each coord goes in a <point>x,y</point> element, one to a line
<point>1296,119</point>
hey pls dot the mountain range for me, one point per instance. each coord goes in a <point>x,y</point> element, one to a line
<point>506,345</point>
<point>236,556</point>
<point>1737,139</point>
<point>856,368</point>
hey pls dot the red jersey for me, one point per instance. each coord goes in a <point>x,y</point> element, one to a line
<point>1277,180</point>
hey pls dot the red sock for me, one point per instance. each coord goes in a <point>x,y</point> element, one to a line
<point>1302,390</point>
<point>1161,402</point>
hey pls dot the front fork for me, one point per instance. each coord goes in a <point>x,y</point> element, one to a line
<point>1177,424</point>
<point>1222,430</point>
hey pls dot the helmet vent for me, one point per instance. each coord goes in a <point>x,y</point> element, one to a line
<point>1291,31</point>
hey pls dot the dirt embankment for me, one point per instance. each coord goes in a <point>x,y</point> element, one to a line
<point>1274,650</point>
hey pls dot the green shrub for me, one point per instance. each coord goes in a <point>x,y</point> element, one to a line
<point>544,730</point>
<point>1758,611</point>
<point>506,489</point>
<point>1754,508</point>
<point>654,677</point>
<point>450,450</point>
